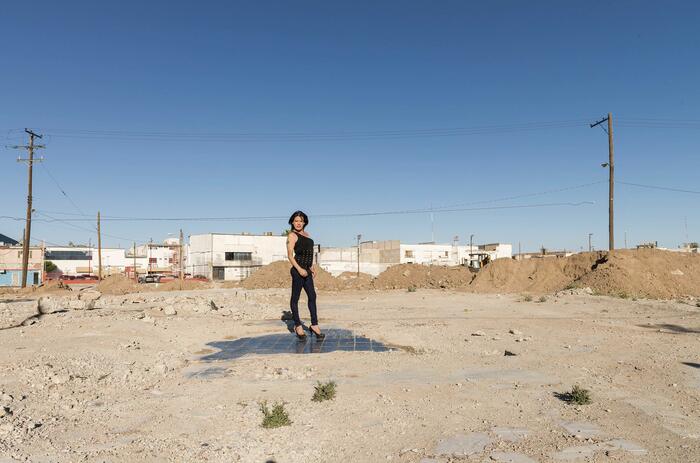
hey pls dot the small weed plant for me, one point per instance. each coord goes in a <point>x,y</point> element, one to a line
<point>324,391</point>
<point>527,298</point>
<point>577,395</point>
<point>276,417</point>
<point>412,289</point>
<point>542,299</point>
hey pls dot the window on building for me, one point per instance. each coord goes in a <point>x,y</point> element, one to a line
<point>152,260</point>
<point>239,256</point>
<point>446,253</point>
<point>409,253</point>
<point>68,255</point>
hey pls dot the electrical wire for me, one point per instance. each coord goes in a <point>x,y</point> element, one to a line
<point>61,188</point>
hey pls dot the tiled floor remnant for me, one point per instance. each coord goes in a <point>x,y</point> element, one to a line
<point>286,343</point>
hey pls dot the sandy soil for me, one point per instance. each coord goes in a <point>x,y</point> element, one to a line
<point>128,381</point>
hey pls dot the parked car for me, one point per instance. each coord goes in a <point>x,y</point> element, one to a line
<point>149,279</point>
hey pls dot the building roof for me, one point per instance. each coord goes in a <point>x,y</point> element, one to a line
<point>7,241</point>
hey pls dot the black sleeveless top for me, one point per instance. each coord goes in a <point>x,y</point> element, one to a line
<point>304,251</point>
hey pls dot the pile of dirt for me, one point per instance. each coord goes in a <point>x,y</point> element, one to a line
<point>276,275</point>
<point>405,276</point>
<point>48,287</point>
<point>649,273</point>
<point>537,276</point>
<point>117,285</point>
<point>186,285</point>
<point>352,281</point>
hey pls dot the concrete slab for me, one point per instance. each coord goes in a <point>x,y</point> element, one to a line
<point>511,457</point>
<point>461,444</point>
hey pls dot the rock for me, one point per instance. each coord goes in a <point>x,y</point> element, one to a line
<point>509,354</point>
<point>60,379</point>
<point>50,304</point>
<point>478,333</point>
<point>515,332</point>
<point>170,310</point>
<point>77,304</point>
<point>161,368</point>
<point>89,295</point>
<point>213,306</point>
<point>677,272</point>
<point>5,411</point>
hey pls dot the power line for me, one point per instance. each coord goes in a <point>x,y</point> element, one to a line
<point>319,216</point>
<point>678,190</point>
<point>306,136</point>
<point>61,189</point>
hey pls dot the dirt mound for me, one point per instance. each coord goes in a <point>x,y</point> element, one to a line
<point>532,275</point>
<point>649,273</point>
<point>186,285</point>
<point>117,285</point>
<point>48,287</point>
<point>422,276</point>
<point>352,281</point>
<point>276,275</point>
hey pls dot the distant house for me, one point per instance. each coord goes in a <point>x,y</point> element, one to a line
<point>11,265</point>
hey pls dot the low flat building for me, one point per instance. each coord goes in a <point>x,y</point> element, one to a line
<point>228,256</point>
<point>83,260</point>
<point>377,256</point>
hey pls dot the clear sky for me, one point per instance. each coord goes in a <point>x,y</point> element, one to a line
<point>145,107</point>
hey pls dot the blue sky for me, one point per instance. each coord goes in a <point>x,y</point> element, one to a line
<point>166,87</point>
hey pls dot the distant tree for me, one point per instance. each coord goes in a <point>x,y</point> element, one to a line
<point>285,232</point>
<point>694,244</point>
<point>50,266</point>
<point>71,244</point>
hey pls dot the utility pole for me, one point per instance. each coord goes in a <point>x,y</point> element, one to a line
<point>99,249</point>
<point>359,237</point>
<point>27,229</point>
<point>182,272</point>
<point>136,274</point>
<point>611,166</point>
<point>589,242</point>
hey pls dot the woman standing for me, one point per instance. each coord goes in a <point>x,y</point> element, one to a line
<point>300,251</point>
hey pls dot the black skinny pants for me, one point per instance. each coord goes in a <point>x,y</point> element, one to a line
<point>307,283</point>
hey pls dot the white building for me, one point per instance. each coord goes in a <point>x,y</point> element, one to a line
<point>377,256</point>
<point>224,256</point>
<point>79,260</point>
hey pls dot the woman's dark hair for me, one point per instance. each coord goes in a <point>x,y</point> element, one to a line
<point>301,214</point>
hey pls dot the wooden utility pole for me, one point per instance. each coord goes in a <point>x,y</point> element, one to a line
<point>99,249</point>
<point>611,166</point>
<point>611,190</point>
<point>359,237</point>
<point>182,271</point>
<point>27,229</point>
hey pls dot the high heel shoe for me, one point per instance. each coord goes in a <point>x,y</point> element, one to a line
<point>301,336</point>
<point>318,335</point>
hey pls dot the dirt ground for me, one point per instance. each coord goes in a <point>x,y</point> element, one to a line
<point>130,380</point>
